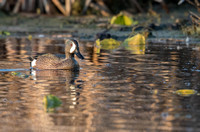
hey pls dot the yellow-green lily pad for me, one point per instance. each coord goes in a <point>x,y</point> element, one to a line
<point>108,44</point>
<point>19,74</point>
<point>186,92</point>
<point>136,44</point>
<point>122,19</point>
<point>4,33</point>
<point>51,102</point>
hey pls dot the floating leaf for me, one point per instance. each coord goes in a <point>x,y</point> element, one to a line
<point>191,30</point>
<point>155,92</point>
<point>51,102</point>
<point>30,37</point>
<point>136,44</point>
<point>121,19</point>
<point>98,46</point>
<point>136,40</point>
<point>38,11</point>
<point>14,73</point>
<point>19,74</point>
<point>4,33</point>
<point>186,92</point>
<point>108,44</point>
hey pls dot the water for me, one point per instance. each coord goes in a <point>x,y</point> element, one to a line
<point>115,90</point>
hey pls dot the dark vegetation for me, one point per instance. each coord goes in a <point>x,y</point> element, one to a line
<point>148,14</point>
<point>84,7</point>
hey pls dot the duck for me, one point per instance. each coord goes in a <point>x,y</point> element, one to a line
<point>51,61</point>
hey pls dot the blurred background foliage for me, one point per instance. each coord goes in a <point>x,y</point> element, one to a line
<point>87,7</point>
<point>123,12</point>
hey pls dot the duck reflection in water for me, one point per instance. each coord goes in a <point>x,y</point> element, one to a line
<point>57,75</point>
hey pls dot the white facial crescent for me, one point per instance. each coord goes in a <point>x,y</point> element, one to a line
<point>73,48</point>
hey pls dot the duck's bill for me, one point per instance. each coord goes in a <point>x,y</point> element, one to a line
<point>79,55</point>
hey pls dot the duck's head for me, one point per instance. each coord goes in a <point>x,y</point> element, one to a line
<point>72,47</point>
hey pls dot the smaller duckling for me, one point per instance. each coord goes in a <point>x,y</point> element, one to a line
<point>50,61</point>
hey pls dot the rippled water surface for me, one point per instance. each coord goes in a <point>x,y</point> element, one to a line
<point>116,90</point>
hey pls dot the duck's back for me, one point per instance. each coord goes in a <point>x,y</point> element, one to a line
<point>50,61</point>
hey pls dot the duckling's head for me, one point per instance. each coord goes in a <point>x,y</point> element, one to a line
<point>72,47</point>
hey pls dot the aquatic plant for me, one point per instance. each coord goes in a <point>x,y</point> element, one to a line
<point>122,19</point>
<point>51,102</point>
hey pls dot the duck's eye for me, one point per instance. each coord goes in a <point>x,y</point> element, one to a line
<point>71,44</point>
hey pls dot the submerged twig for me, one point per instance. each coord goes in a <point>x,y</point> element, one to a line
<point>195,18</point>
<point>137,5</point>
<point>87,3</point>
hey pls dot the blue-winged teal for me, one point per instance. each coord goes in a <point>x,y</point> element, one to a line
<point>50,61</point>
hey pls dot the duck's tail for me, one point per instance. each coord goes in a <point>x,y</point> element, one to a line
<point>32,61</point>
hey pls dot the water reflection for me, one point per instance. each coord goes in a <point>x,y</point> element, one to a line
<point>114,89</point>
